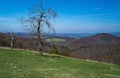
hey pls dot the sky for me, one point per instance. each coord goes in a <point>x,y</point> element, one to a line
<point>74,16</point>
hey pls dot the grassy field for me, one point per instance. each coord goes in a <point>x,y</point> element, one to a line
<point>55,40</point>
<point>26,64</point>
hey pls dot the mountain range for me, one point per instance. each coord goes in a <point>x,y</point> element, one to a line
<point>101,47</point>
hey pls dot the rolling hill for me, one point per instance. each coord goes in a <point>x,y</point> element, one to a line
<point>26,64</point>
<point>101,47</point>
<point>102,38</point>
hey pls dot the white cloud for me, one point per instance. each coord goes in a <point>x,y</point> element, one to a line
<point>88,23</point>
<point>103,14</point>
<point>10,24</point>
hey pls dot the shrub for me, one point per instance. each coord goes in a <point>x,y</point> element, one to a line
<point>55,50</point>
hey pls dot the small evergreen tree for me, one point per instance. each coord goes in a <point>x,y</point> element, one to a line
<point>55,50</point>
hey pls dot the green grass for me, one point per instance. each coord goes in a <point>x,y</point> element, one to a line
<point>26,64</point>
<point>55,40</point>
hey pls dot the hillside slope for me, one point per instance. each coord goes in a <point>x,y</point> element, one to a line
<point>105,53</point>
<point>101,47</point>
<point>98,39</point>
<point>26,64</point>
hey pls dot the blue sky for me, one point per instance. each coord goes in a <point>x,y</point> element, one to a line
<point>74,16</point>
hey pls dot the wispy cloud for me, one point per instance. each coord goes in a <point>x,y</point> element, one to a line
<point>102,14</point>
<point>10,24</point>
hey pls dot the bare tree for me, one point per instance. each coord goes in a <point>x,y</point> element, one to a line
<point>38,18</point>
<point>12,39</point>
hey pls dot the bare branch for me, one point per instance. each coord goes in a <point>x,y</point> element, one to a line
<point>38,18</point>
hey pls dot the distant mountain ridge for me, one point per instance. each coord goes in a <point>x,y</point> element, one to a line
<point>69,35</point>
<point>116,34</point>
<point>98,39</point>
<point>82,35</point>
<point>104,38</point>
<point>101,47</point>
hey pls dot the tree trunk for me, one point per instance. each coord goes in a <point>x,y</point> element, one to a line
<point>40,43</point>
<point>11,44</point>
<point>12,40</point>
